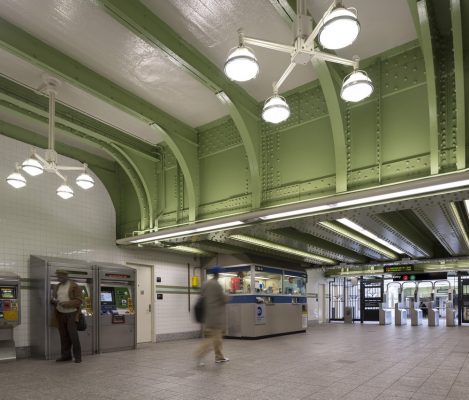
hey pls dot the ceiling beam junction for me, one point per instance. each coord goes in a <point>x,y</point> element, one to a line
<point>242,107</point>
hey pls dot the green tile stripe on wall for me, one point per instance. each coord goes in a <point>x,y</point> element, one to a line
<point>176,289</point>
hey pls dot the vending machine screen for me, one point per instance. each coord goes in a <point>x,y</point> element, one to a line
<point>7,293</point>
<point>106,297</point>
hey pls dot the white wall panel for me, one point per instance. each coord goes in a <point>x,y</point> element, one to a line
<point>34,220</point>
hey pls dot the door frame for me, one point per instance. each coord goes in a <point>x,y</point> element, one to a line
<point>134,265</point>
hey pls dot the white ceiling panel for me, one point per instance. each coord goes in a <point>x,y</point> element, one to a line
<point>85,32</point>
<point>29,75</point>
<point>212,26</point>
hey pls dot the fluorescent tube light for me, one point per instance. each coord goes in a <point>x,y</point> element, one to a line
<point>363,231</point>
<point>337,228</point>
<point>187,232</point>
<point>402,193</point>
<point>281,248</point>
<point>187,249</point>
<point>369,199</point>
<point>297,212</point>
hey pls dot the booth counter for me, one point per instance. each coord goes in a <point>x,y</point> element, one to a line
<point>263,301</point>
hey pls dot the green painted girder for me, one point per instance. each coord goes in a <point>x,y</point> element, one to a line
<point>33,139</point>
<point>336,117</point>
<point>458,53</point>
<point>286,9</point>
<point>154,30</point>
<point>145,180</point>
<point>420,15</point>
<point>241,106</point>
<point>28,114</point>
<point>327,248</point>
<point>246,125</point>
<point>181,139</point>
<point>332,96</point>
<point>100,166</point>
<point>31,99</point>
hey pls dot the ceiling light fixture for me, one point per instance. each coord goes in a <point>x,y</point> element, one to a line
<point>187,232</point>
<point>393,194</point>
<point>36,165</point>
<point>365,232</point>
<point>340,230</point>
<point>283,249</point>
<point>338,28</point>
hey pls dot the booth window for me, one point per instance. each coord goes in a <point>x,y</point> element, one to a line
<point>268,282</point>
<point>293,284</point>
<point>235,280</point>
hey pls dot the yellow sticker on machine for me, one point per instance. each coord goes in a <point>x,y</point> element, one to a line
<point>10,315</point>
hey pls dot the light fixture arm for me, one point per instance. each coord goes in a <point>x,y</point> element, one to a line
<point>287,72</point>
<point>284,48</point>
<point>310,40</point>
<point>336,59</point>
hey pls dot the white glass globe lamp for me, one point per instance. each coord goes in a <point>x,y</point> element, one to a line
<point>275,109</point>
<point>64,191</point>
<point>340,28</point>
<point>241,64</point>
<point>32,167</point>
<point>85,181</point>
<point>16,180</point>
<point>356,87</point>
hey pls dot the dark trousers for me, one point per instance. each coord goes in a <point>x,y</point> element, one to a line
<point>68,335</point>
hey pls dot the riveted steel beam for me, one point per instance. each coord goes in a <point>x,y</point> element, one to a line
<point>336,117</point>
<point>331,95</point>
<point>143,180</point>
<point>30,99</point>
<point>33,139</point>
<point>155,31</point>
<point>181,138</point>
<point>420,14</point>
<point>29,114</point>
<point>246,125</point>
<point>458,53</point>
<point>241,106</point>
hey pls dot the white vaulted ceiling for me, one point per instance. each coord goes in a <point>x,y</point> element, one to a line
<point>84,31</point>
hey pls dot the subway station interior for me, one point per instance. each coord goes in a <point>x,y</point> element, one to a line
<point>312,153</point>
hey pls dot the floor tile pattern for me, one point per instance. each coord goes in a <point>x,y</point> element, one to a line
<point>331,361</point>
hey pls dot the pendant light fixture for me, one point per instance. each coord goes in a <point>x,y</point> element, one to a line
<point>338,28</point>
<point>36,165</point>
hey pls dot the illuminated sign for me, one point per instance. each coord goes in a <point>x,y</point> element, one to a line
<point>399,268</point>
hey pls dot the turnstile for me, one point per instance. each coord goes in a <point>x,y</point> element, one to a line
<point>45,342</point>
<point>10,313</point>
<point>116,304</point>
<point>400,315</point>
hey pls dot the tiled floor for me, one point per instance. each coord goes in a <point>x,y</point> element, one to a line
<point>332,361</point>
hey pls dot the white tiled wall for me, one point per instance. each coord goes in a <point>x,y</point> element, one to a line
<point>34,220</point>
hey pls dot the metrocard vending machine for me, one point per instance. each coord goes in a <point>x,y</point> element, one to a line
<point>10,313</point>
<point>117,325</point>
<point>45,340</point>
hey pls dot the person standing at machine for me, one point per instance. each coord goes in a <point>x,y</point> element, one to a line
<point>215,320</point>
<point>67,299</point>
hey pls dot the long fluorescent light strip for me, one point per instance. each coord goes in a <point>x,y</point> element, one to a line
<point>188,232</point>
<point>363,231</point>
<point>369,199</point>
<point>281,248</point>
<point>364,242</point>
